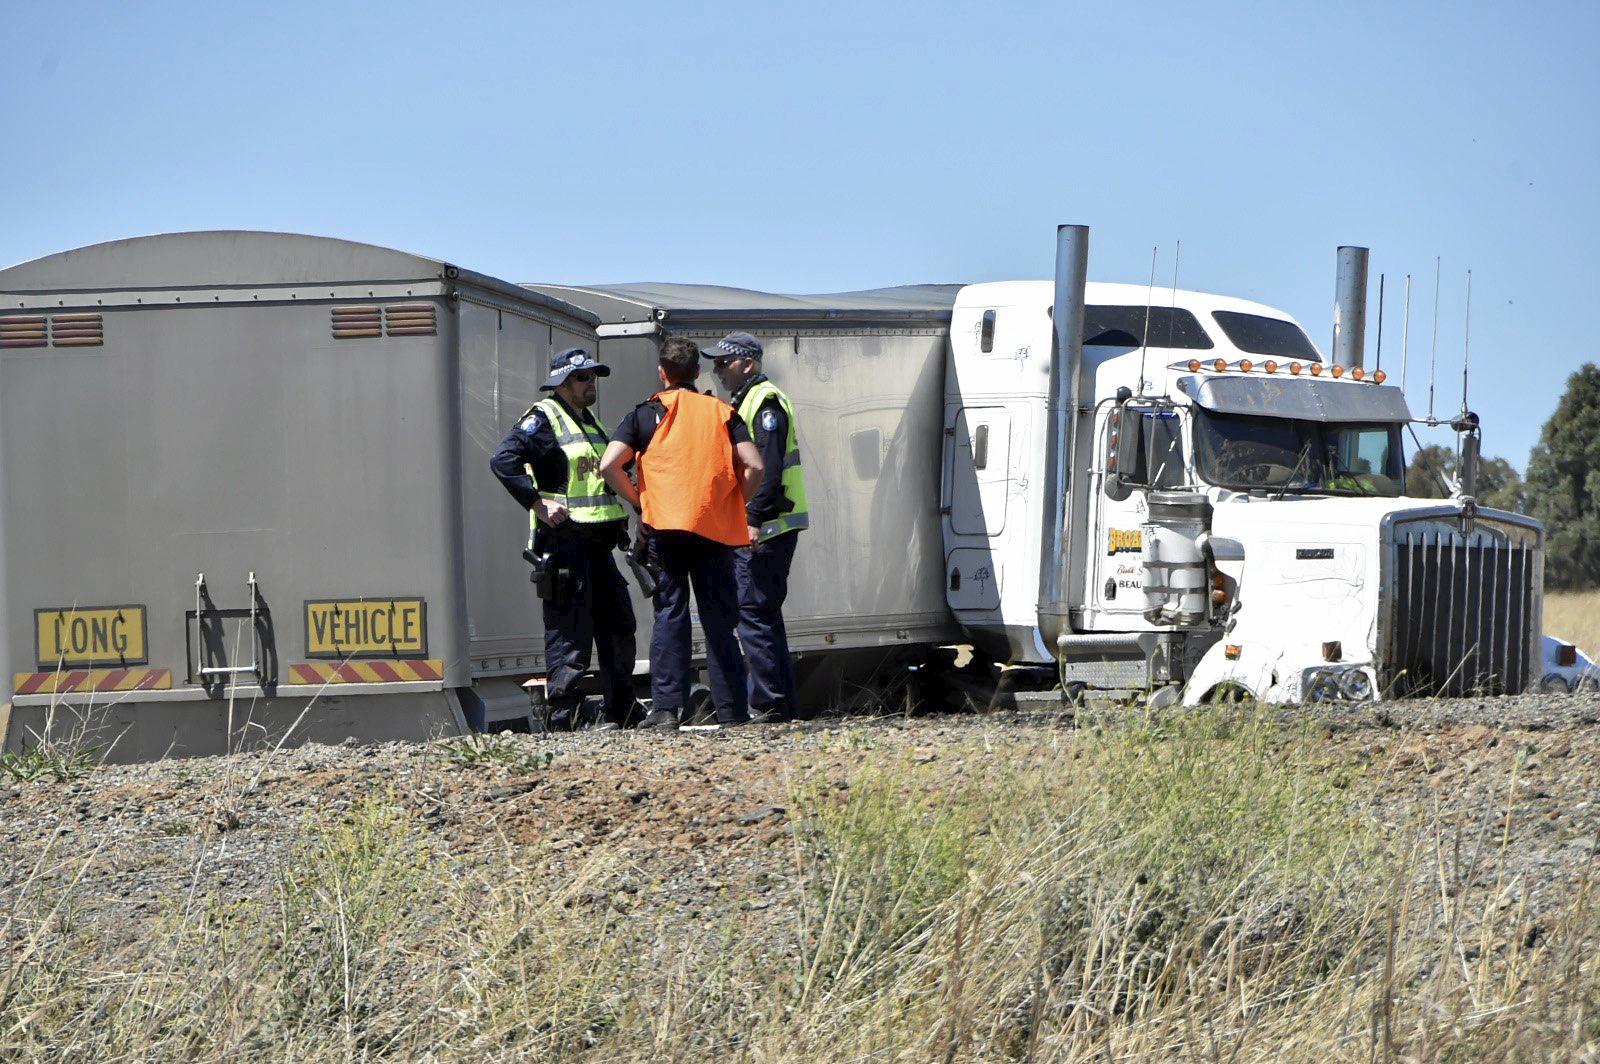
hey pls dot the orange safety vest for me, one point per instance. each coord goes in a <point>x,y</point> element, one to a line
<point>687,480</point>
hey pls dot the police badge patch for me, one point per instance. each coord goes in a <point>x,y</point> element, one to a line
<point>769,420</point>
<point>531,423</point>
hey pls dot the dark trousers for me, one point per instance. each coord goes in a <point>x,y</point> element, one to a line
<point>590,608</point>
<point>763,574</point>
<point>690,561</point>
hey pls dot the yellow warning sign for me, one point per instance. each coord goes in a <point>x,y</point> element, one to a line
<point>92,635</point>
<point>356,628</point>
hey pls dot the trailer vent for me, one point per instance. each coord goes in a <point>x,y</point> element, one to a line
<point>410,319</point>
<point>354,323</point>
<point>31,331</point>
<point>77,330</point>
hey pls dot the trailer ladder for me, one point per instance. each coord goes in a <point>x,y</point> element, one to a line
<point>204,615</point>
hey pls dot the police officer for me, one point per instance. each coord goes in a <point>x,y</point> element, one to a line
<point>696,470</point>
<point>776,514</point>
<point>574,521</point>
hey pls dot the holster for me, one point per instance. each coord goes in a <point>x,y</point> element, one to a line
<point>645,571</point>
<point>543,575</point>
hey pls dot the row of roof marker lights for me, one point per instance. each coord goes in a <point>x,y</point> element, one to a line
<point>1244,365</point>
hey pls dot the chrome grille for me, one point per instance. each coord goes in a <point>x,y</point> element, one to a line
<point>1465,600</point>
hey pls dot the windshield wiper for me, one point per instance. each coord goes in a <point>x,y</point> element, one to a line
<point>1305,453</point>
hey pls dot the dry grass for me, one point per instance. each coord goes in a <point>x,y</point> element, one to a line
<point>1575,617</point>
<point>1186,886</point>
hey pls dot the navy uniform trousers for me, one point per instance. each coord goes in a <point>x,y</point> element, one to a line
<point>763,574</point>
<point>593,608</point>
<point>688,562</point>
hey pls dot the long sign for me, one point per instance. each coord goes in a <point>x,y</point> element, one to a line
<point>89,635</point>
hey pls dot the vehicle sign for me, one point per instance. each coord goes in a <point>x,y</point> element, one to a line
<point>89,635</point>
<point>366,628</point>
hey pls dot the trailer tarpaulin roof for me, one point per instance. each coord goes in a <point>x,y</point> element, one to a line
<point>689,305</point>
<point>240,260</point>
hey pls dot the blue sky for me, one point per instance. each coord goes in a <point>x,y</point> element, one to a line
<point>823,146</point>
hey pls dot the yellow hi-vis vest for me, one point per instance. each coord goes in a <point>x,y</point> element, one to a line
<point>794,479</point>
<point>590,499</point>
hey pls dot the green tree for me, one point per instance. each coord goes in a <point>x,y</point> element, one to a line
<point>1499,484</point>
<point>1422,472</point>
<point>1564,483</point>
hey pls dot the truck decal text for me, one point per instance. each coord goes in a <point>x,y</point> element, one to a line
<point>1124,541</point>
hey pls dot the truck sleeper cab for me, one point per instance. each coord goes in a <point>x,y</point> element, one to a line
<point>1245,524</point>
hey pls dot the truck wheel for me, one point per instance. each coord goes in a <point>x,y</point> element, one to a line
<point>1164,697</point>
<point>700,709</point>
<point>1229,693</point>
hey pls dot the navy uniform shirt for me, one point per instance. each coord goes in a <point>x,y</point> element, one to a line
<point>532,442</point>
<point>771,434</point>
<point>640,424</point>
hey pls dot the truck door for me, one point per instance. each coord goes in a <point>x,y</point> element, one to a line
<point>1116,571</point>
<point>977,487</point>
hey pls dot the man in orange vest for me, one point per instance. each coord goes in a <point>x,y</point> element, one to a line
<point>696,468</point>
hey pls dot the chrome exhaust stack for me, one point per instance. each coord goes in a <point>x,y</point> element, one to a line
<point>1064,545</point>
<point>1350,308</point>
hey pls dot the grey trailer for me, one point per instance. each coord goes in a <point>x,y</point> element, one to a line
<point>244,492</point>
<point>865,371</point>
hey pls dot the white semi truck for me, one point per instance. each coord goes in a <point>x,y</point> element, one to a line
<point>1160,492</point>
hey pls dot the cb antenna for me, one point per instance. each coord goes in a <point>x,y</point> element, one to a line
<point>1433,357</point>
<point>1466,344</point>
<point>1379,355</point>
<point>1172,315</point>
<point>1405,337</point>
<point>1149,294</point>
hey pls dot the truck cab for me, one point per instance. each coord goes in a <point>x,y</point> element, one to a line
<point>1245,524</point>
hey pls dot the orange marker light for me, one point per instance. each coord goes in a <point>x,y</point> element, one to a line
<point>1316,369</point>
<point>1219,365</point>
<point>1232,651</point>
<point>1338,371</point>
<point>1295,368</point>
<point>1245,365</point>
<point>1379,377</point>
<point>1358,373</point>
<point>1194,365</point>
<point>1271,366</point>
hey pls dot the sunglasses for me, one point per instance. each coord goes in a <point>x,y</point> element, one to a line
<point>582,375</point>
<point>724,363</point>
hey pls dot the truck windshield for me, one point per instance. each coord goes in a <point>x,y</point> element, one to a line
<point>1300,457</point>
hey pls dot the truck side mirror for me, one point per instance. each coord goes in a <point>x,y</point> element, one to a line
<point>1129,441</point>
<point>1122,452</point>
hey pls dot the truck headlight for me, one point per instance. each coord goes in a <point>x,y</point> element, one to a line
<point>1355,686</point>
<point>1322,686</point>
<point>1554,684</point>
<point>1337,683</point>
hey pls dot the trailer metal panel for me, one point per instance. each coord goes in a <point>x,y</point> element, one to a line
<point>865,372</point>
<point>225,425</point>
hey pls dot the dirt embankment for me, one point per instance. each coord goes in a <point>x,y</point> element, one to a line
<point>1411,878</point>
<point>707,813</point>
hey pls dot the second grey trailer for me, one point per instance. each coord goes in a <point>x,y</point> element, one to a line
<point>865,371</point>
